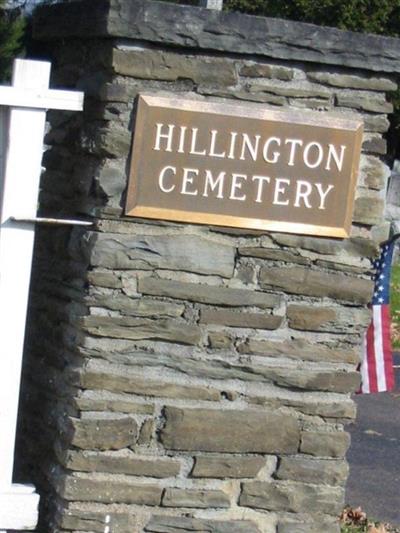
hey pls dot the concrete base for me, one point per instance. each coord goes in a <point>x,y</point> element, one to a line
<point>18,508</point>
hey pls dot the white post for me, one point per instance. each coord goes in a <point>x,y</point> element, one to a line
<point>212,4</point>
<point>19,186</point>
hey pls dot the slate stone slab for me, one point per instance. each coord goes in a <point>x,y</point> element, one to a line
<point>199,499</point>
<point>298,280</point>
<point>122,463</point>
<point>292,497</point>
<point>213,30</point>
<point>189,253</point>
<point>308,470</point>
<point>229,431</point>
<point>207,294</point>
<point>103,434</point>
<point>227,467</point>
<point>111,489</point>
<point>176,524</point>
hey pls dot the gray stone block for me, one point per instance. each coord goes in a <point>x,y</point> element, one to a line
<point>325,444</point>
<point>110,489</point>
<point>174,524</point>
<point>316,471</point>
<point>141,328</point>
<point>120,378</point>
<point>103,433</point>
<point>291,496</point>
<point>227,467</point>
<point>126,462</point>
<point>240,319</point>
<point>297,280</point>
<point>229,431</point>
<point>189,253</point>
<point>299,349</point>
<point>208,294</point>
<point>199,499</point>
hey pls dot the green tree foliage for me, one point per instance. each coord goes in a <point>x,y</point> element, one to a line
<point>371,16</point>
<point>366,16</point>
<point>12,26</point>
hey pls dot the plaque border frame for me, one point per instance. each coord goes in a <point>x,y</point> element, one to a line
<point>251,110</point>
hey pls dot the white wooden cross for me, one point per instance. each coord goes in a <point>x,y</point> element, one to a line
<point>22,126</point>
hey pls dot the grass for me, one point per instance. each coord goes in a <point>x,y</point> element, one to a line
<point>395,306</point>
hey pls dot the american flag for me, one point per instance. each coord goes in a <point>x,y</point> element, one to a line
<point>377,374</point>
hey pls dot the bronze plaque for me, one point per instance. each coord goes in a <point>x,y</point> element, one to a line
<point>244,166</point>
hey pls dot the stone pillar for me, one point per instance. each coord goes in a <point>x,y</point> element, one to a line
<point>185,377</point>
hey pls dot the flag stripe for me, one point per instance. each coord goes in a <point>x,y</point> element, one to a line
<point>387,349</point>
<point>364,369</point>
<point>379,327</point>
<point>371,358</point>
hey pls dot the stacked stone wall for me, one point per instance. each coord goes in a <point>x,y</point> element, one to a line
<point>182,377</point>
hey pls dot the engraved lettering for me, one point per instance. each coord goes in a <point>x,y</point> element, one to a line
<point>237,182</point>
<point>166,136</point>
<point>261,180</point>
<point>275,155</point>
<point>212,184</point>
<point>162,177</point>
<point>294,143</point>
<point>317,151</point>
<point>332,153</point>
<point>303,191</point>
<point>193,150</point>
<point>212,152</point>
<point>279,191</point>
<point>323,193</point>
<point>188,176</point>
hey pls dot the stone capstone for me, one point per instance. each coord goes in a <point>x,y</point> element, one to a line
<point>169,24</point>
